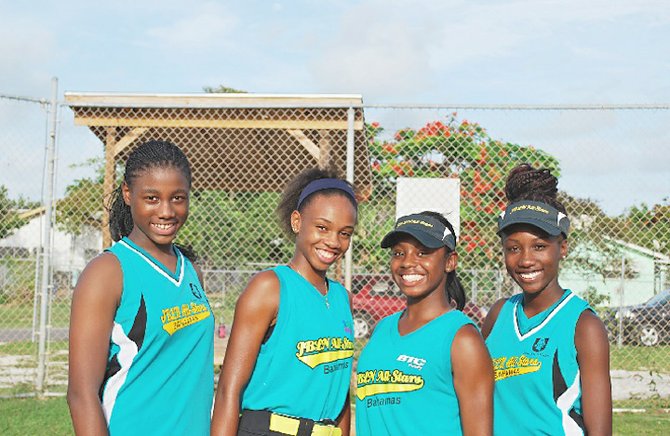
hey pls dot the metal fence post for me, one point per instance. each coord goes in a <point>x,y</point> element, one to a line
<point>623,278</point>
<point>46,236</point>
<point>348,256</point>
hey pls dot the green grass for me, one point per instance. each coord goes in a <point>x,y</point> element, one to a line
<point>650,423</point>
<point>22,416</point>
<point>640,358</point>
<point>21,315</point>
<point>26,416</point>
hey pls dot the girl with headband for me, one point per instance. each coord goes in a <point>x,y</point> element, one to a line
<point>549,349</point>
<point>425,370</point>
<point>289,359</point>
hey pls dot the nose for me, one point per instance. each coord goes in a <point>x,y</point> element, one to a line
<point>408,260</point>
<point>526,258</point>
<point>332,240</point>
<point>166,210</point>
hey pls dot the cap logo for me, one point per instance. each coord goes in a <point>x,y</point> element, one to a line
<point>413,221</point>
<point>530,207</point>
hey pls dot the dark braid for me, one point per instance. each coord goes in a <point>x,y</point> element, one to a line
<point>453,288</point>
<point>527,183</point>
<point>291,194</point>
<point>149,155</point>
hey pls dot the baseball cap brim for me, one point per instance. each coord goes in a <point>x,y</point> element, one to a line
<point>546,227</point>
<point>424,238</point>
<point>537,214</point>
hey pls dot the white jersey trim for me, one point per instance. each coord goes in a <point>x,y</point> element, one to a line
<point>534,330</point>
<point>125,356</point>
<point>565,402</point>
<point>156,267</point>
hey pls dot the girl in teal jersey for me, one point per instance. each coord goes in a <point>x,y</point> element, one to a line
<point>288,363</point>
<point>425,370</point>
<point>141,329</point>
<point>550,351</point>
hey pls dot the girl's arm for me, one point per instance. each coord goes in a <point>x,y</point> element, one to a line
<point>473,381</point>
<point>491,317</point>
<point>94,303</point>
<point>255,311</point>
<point>344,421</point>
<point>594,368</point>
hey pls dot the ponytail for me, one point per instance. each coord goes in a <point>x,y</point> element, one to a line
<point>120,218</point>
<point>455,290</point>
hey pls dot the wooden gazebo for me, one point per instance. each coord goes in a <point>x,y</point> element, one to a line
<point>235,142</point>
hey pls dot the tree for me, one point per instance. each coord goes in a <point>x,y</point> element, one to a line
<point>462,149</point>
<point>222,89</point>
<point>10,219</point>
<point>82,205</point>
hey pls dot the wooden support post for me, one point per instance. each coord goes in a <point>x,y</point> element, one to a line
<point>108,183</point>
<point>325,145</point>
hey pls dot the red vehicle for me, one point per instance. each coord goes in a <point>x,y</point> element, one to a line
<point>377,296</point>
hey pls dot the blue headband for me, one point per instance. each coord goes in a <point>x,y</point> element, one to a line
<point>323,184</point>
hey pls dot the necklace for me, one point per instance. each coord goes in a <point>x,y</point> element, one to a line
<point>324,295</point>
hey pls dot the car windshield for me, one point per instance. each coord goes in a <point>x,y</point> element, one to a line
<point>657,299</point>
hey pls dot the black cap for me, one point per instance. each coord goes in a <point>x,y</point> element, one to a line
<point>535,213</point>
<point>426,229</point>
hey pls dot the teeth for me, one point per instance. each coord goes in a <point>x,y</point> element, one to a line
<point>163,226</point>
<point>529,276</point>
<point>411,278</point>
<point>326,254</point>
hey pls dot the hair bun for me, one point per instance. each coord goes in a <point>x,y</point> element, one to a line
<point>527,183</point>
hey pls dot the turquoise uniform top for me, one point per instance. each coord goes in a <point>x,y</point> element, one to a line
<point>404,384</point>
<point>537,388</point>
<point>303,370</point>
<point>160,372</point>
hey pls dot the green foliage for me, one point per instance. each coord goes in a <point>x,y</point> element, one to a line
<point>234,229</point>
<point>222,89</point>
<point>594,299</point>
<point>83,203</point>
<point>9,212</point>
<point>592,251</point>
<point>646,226</point>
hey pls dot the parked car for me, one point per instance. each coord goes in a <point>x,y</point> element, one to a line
<point>377,296</point>
<point>643,324</point>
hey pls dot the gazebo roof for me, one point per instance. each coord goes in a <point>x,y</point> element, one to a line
<point>237,142</point>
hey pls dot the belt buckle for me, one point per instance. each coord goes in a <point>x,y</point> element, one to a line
<point>326,430</point>
<point>284,424</point>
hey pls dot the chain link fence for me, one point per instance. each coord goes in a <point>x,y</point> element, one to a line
<point>243,150</point>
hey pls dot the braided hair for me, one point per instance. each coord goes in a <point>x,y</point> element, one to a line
<point>527,183</point>
<point>149,155</point>
<point>453,288</point>
<point>291,194</point>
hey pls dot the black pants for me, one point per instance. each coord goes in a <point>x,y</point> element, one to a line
<point>257,423</point>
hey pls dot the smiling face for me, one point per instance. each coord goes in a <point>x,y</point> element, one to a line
<point>158,200</point>
<point>324,228</point>
<point>419,271</point>
<point>532,258</point>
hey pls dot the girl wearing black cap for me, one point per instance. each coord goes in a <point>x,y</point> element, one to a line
<point>550,351</point>
<point>289,358</point>
<point>425,370</point>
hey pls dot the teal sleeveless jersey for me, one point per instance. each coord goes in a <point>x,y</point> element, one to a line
<point>304,368</point>
<point>159,377</point>
<point>405,384</point>
<point>538,387</point>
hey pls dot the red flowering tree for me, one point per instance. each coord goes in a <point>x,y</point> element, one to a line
<point>452,148</point>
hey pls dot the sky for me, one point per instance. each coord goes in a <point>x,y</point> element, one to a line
<point>440,52</point>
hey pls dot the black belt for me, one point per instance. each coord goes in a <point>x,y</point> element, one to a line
<point>263,420</point>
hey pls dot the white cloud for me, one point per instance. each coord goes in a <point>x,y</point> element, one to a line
<point>202,29</point>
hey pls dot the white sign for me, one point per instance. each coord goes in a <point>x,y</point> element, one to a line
<point>439,195</point>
